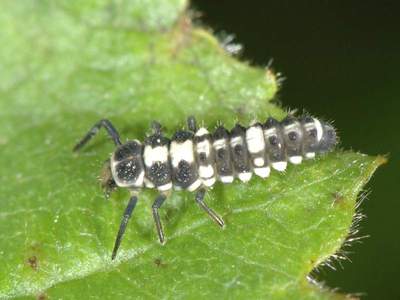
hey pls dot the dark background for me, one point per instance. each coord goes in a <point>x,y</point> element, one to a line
<point>341,61</point>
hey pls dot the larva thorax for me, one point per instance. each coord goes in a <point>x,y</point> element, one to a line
<point>191,159</point>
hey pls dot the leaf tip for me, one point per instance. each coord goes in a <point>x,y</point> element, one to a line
<point>382,159</point>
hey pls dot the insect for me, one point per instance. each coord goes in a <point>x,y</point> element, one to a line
<point>194,159</point>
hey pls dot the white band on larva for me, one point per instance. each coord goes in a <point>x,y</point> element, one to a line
<point>218,144</point>
<point>280,166</point>
<point>204,147</point>
<point>291,126</point>
<point>227,179</point>
<point>236,140</point>
<point>181,151</point>
<point>262,172</point>
<point>152,155</point>
<point>255,139</point>
<point>245,177</point>
<point>319,129</point>
<point>148,183</point>
<point>259,161</point>
<point>296,160</point>
<point>270,131</point>
<point>194,186</point>
<point>202,131</point>
<point>310,155</point>
<point>165,187</point>
<point>140,179</point>
<point>206,171</point>
<point>209,181</point>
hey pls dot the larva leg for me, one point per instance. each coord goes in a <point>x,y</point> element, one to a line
<point>124,222</point>
<point>200,200</point>
<point>156,205</point>
<point>112,132</point>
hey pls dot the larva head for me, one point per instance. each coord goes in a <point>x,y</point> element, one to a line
<point>127,165</point>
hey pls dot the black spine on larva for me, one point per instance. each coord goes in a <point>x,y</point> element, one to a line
<point>223,161</point>
<point>239,151</point>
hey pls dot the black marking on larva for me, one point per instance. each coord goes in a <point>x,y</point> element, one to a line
<point>223,161</point>
<point>274,141</point>
<point>271,122</point>
<point>128,170</point>
<point>156,140</point>
<point>159,172</point>
<point>131,148</point>
<point>289,120</point>
<point>202,158</point>
<point>310,141</point>
<point>240,154</point>
<point>293,136</point>
<point>182,136</point>
<point>134,165</point>
<point>186,172</point>
<point>329,138</point>
<point>128,163</point>
<point>205,156</point>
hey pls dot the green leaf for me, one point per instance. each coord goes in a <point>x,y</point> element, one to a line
<point>65,65</point>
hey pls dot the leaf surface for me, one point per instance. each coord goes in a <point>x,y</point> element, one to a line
<point>67,64</point>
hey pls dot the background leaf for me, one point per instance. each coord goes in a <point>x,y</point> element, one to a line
<point>68,64</point>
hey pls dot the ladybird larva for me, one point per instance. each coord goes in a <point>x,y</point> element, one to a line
<point>195,159</point>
